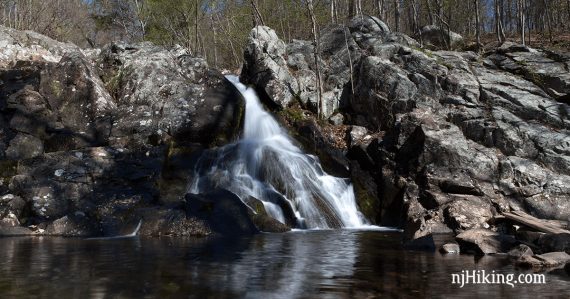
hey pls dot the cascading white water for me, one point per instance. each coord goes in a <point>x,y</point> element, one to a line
<point>266,165</point>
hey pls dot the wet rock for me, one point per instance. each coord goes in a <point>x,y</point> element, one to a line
<point>485,241</point>
<point>545,261</point>
<point>519,251</point>
<point>262,220</point>
<point>223,211</point>
<point>554,242</point>
<point>14,231</point>
<point>73,225</point>
<point>169,221</point>
<point>450,248</point>
<point>366,193</point>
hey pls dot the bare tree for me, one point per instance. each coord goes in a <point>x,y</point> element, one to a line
<point>521,14</point>
<point>477,24</point>
<point>397,15</point>
<point>548,19</point>
<point>257,15</point>
<point>334,12</point>
<point>316,54</point>
<point>498,23</point>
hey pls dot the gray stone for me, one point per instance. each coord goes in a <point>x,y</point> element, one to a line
<point>520,251</point>
<point>546,261</point>
<point>450,248</point>
<point>485,241</point>
<point>24,146</point>
<point>434,36</point>
<point>336,119</point>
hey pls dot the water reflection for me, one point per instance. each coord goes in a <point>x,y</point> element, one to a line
<point>310,264</point>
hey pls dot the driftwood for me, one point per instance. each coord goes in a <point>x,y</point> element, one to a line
<point>545,226</point>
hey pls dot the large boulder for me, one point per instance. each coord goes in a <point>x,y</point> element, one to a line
<point>94,142</point>
<point>166,94</point>
<point>436,37</point>
<point>284,74</point>
<point>266,68</point>
<point>223,211</point>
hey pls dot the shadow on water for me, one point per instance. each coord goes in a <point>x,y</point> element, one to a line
<point>304,264</point>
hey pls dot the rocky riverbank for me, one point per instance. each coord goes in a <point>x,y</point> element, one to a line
<point>434,141</point>
<point>93,141</point>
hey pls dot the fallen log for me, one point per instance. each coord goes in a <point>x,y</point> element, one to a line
<point>535,223</point>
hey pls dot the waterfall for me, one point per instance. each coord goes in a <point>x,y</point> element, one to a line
<point>266,165</point>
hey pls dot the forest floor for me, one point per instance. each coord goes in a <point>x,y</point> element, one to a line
<point>560,40</point>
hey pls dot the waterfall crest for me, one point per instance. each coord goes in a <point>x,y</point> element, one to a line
<point>266,165</point>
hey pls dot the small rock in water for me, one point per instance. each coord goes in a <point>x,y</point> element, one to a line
<point>58,172</point>
<point>520,251</point>
<point>450,248</point>
<point>545,261</point>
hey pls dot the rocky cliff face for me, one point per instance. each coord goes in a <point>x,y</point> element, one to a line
<point>93,141</point>
<point>439,141</point>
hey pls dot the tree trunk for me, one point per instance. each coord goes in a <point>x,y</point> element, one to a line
<point>257,14</point>
<point>520,6</point>
<point>333,7</point>
<point>316,54</point>
<point>477,24</point>
<point>397,15</point>
<point>548,19</point>
<point>430,12</point>
<point>196,26</point>
<point>498,27</point>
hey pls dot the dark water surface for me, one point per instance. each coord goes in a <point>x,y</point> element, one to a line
<point>306,264</point>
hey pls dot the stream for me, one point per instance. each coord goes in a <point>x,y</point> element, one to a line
<point>299,264</point>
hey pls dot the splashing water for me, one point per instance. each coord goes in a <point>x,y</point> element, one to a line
<point>265,165</point>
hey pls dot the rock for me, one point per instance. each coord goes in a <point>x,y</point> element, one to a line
<point>485,241</point>
<point>73,225</point>
<point>450,248</point>
<point>166,93</point>
<point>261,218</point>
<point>468,212</point>
<point>368,29</point>
<point>356,134</point>
<point>545,261</point>
<point>366,193</point>
<point>15,231</point>
<point>432,35</point>
<point>474,134</point>
<point>519,251</point>
<point>282,73</point>
<point>554,242</point>
<point>336,119</point>
<point>169,221</point>
<point>224,212</point>
<point>24,146</point>
<point>266,67</point>
<point>30,46</point>
<point>92,141</point>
